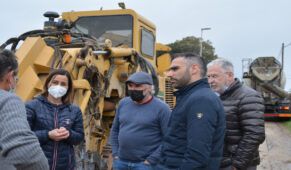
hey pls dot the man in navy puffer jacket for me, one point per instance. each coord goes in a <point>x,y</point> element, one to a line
<point>194,138</point>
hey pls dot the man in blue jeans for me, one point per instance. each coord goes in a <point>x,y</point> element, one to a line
<point>139,126</point>
<point>195,134</point>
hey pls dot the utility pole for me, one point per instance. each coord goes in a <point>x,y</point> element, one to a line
<point>201,39</point>
<point>283,46</point>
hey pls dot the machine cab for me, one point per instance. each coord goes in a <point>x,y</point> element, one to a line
<point>124,27</point>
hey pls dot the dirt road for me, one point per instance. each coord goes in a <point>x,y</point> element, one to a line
<point>276,150</point>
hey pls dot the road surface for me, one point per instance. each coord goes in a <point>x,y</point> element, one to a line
<point>275,152</point>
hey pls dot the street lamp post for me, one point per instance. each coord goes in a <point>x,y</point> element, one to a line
<point>201,38</point>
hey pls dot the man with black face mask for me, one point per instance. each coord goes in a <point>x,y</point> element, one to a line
<point>19,147</point>
<point>139,126</point>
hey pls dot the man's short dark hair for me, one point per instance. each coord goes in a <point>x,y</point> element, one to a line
<point>192,59</point>
<point>8,62</point>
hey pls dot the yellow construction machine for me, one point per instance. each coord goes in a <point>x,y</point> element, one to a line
<point>100,49</point>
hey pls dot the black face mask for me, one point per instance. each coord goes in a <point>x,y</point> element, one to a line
<point>136,95</point>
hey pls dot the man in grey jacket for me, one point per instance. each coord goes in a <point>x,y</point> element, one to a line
<point>19,147</point>
<point>244,110</point>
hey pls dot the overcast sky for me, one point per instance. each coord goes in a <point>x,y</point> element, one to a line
<point>239,28</point>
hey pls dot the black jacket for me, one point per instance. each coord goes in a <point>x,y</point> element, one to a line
<point>194,139</point>
<point>44,117</point>
<point>244,126</point>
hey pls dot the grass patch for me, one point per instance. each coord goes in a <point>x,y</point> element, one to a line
<point>287,124</point>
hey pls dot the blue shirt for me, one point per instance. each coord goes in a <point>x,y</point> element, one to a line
<point>138,130</point>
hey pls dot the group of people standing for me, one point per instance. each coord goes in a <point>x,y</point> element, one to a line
<point>40,134</point>
<point>217,122</point>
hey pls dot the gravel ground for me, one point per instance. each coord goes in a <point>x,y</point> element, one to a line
<point>275,152</point>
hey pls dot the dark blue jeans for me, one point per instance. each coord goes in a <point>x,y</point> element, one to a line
<point>162,167</point>
<point>125,165</point>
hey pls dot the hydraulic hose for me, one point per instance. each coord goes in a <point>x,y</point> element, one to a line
<point>146,66</point>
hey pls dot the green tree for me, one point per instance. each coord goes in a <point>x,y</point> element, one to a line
<point>192,44</point>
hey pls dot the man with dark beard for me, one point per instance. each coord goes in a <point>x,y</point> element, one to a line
<point>139,126</point>
<point>194,137</point>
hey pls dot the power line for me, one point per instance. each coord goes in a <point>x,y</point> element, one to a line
<point>280,52</point>
<point>287,45</point>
